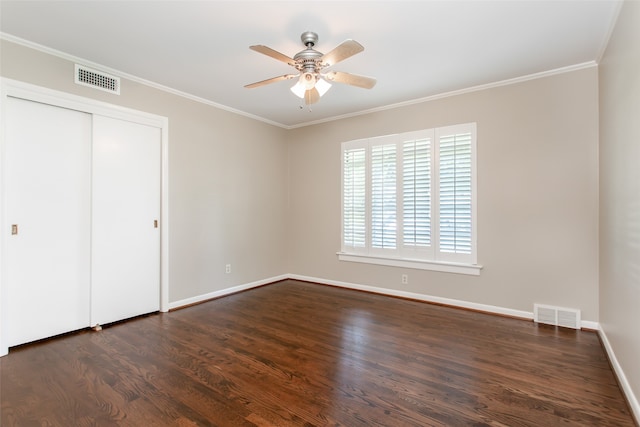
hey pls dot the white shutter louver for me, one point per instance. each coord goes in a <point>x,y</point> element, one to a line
<point>383,196</point>
<point>354,198</point>
<point>416,193</point>
<point>455,193</point>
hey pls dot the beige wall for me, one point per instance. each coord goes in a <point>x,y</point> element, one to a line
<point>537,195</point>
<point>620,194</point>
<point>239,187</point>
<point>227,179</point>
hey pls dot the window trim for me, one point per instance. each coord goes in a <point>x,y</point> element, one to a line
<point>416,264</point>
<point>439,261</point>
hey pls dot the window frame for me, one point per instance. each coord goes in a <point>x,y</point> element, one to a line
<point>407,256</point>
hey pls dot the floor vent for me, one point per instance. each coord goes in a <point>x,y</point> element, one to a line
<point>97,79</point>
<point>558,316</point>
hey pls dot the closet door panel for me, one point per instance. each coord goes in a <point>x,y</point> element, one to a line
<point>125,276</point>
<point>47,195</point>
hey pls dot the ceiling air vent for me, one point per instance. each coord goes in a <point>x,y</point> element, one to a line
<point>565,317</point>
<point>97,79</point>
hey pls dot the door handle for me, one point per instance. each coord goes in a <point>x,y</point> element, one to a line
<point>14,229</point>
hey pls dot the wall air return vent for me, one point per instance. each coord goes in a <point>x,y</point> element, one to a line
<point>97,79</point>
<point>558,316</point>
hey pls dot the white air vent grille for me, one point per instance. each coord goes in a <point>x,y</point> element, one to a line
<point>558,316</point>
<point>97,79</point>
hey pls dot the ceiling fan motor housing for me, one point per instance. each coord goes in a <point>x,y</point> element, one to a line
<point>308,60</point>
<point>309,38</point>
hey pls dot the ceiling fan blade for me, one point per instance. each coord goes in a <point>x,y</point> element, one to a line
<point>272,80</point>
<point>273,53</point>
<point>311,96</point>
<point>341,52</point>
<point>351,79</point>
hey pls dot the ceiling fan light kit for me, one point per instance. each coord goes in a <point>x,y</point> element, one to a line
<point>312,82</point>
<point>307,82</point>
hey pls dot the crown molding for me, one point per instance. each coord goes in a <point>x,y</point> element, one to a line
<point>100,67</point>
<point>81,61</point>
<point>471,89</point>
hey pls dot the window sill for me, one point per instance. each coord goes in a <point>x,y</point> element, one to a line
<point>447,267</point>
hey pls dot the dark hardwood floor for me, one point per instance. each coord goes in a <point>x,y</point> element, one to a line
<point>299,354</point>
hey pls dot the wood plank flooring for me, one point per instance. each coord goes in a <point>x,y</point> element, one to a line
<point>300,354</point>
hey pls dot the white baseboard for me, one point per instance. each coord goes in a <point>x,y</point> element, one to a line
<point>382,291</point>
<point>622,378</point>
<point>503,311</point>
<point>588,324</point>
<point>223,292</point>
<point>420,297</point>
<point>372,289</point>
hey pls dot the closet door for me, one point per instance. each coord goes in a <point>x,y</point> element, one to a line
<point>47,235</point>
<point>125,259</point>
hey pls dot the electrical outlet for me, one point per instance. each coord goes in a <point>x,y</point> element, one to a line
<point>227,268</point>
<point>405,279</point>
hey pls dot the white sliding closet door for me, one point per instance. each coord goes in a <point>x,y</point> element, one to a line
<point>48,184</point>
<point>125,261</point>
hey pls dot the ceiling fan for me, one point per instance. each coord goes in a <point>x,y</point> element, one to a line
<point>313,81</point>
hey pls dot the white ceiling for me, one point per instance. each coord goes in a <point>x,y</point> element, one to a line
<point>415,49</point>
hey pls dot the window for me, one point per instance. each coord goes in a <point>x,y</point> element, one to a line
<point>409,199</point>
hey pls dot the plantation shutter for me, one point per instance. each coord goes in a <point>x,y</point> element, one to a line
<point>455,192</point>
<point>354,198</point>
<point>383,195</point>
<point>416,193</point>
<point>411,197</point>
